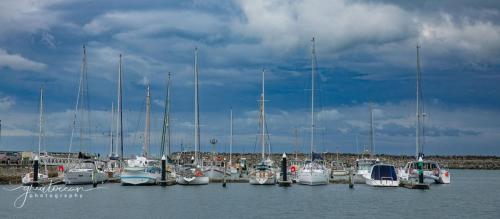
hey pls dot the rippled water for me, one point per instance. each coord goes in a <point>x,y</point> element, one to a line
<point>472,194</point>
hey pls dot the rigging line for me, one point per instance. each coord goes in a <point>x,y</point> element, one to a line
<point>139,121</point>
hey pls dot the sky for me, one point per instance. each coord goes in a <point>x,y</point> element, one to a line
<point>366,53</point>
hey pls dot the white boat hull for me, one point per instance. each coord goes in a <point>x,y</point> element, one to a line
<point>262,177</point>
<point>215,173</point>
<point>138,177</point>
<point>83,177</point>
<point>195,180</point>
<point>382,183</point>
<point>28,178</point>
<point>313,178</point>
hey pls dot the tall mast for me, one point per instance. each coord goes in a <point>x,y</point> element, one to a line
<point>80,87</point>
<point>40,133</point>
<point>165,137</point>
<point>145,148</point>
<point>313,68</point>
<point>196,108</point>
<point>111,136</point>
<point>263,116</point>
<point>371,131</point>
<point>119,123</point>
<point>168,116</point>
<point>418,111</point>
<point>231,138</point>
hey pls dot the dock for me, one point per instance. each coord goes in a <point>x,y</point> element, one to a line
<point>411,184</point>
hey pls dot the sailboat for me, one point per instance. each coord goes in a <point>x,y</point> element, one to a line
<point>141,170</point>
<point>192,174</point>
<point>313,172</point>
<point>364,164</point>
<point>28,178</point>
<point>431,169</point>
<point>263,173</point>
<point>165,150</point>
<point>86,171</point>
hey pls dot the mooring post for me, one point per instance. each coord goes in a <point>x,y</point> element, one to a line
<point>224,174</point>
<point>351,183</point>
<point>420,170</point>
<point>35,171</point>
<point>94,173</point>
<point>283,167</point>
<point>163,170</point>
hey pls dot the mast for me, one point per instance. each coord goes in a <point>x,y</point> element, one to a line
<point>263,117</point>
<point>145,148</point>
<point>119,122</point>
<point>418,111</point>
<point>196,109</point>
<point>40,131</point>
<point>75,114</point>
<point>313,57</point>
<point>111,139</point>
<point>371,131</point>
<point>231,138</point>
<point>168,117</point>
<point>165,137</point>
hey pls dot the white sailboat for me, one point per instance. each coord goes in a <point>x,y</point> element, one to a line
<point>85,172</point>
<point>431,169</point>
<point>141,171</point>
<point>313,172</point>
<point>192,174</point>
<point>28,178</point>
<point>263,173</point>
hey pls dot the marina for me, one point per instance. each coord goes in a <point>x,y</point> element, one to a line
<point>215,201</point>
<point>249,109</point>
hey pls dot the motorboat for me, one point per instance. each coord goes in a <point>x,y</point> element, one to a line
<point>362,169</point>
<point>382,175</point>
<point>338,169</point>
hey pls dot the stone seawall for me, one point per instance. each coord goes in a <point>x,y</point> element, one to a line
<point>12,174</point>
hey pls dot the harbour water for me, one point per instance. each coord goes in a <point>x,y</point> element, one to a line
<point>472,194</point>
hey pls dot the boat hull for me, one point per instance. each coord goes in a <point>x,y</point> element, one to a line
<point>262,177</point>
<point>83,177</point>
<point>215,173</point>
<point>195,180</point>
<point>313,178</point>
<point>382,183</point>
<point>138,177</point>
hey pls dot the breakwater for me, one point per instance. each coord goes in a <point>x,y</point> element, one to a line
<point>450,162</point>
